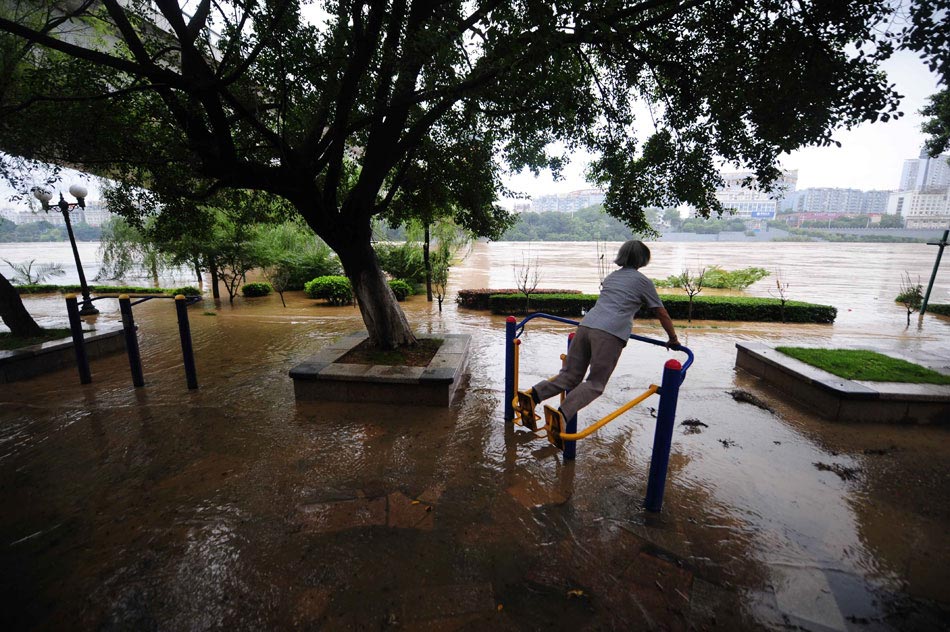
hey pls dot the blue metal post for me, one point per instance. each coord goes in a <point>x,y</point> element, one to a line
<point>570,447</point>
<point>131,340</point>
<point>79,345</point>
<point>184,330</point>
<point>510,324</point>
<point>663,437</point>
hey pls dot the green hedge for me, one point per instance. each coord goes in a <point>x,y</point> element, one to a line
<point>704,307</point>
<point>99,289</point>
<point>479,299</point>
<point>942,309</point>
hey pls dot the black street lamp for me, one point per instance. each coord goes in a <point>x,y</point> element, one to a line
<point>79,192</point>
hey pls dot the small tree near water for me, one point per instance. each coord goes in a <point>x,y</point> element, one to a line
<point>911,296</point>
<point>692,285</point>
<point>780,291</point>
<point>527,278</point>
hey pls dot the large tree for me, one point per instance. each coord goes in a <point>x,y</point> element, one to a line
<point>328,110</point>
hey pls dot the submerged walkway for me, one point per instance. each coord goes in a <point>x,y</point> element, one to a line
<point>233,507</point>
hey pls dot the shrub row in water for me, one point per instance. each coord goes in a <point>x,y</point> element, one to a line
<point>741,308</point>
<point>942,309</point>
<point>479,299</point>
<point>106,289</point>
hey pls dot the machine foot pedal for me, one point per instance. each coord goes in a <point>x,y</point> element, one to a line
<point>554,423</point>
<point>524,404</point>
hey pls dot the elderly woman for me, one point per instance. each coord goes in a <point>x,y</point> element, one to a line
<point>603,333</point>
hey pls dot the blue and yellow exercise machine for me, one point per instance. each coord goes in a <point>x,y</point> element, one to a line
<point>565,438</point>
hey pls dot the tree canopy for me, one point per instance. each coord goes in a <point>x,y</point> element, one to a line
<point>339,110</point>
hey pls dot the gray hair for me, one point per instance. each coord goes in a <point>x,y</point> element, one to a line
<point>633,254</point>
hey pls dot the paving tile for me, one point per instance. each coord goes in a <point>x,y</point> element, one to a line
<point>346,370</point>
<point>395,373</point>
<point>428,603</point>
<point>341,515</point>
<point>405,513</point>
<point>311,605</point>
<point>804,595</point>
<point>433,494</point>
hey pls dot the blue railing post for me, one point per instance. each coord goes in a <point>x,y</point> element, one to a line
<point>510,323</point>
<point>570,447</point>
<point>184,330</point>
<point>131,340</point>
<point>79,345</point>
<point>663,437</point>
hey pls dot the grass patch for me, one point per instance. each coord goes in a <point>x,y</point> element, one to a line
<point>857,364</point>
<point>420,354</point>
<point>9,342</point>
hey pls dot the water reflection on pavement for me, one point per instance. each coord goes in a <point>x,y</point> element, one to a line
<point>234,507</point>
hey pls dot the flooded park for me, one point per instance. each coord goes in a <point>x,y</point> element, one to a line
<point>234,507</point>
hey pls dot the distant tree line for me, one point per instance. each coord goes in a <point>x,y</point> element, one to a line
<point>587,224</point>
<point>45,231</point>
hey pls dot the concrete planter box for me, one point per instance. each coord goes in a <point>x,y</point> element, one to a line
<point>323,378</point>
<point>839,399</point>
<point>22,364</point>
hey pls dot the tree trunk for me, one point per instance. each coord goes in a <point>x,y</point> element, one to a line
<point>215,292</point>
<point>14,314</point>
<point>428,265</point>
<point>201,279</point>
<point>385,321</point>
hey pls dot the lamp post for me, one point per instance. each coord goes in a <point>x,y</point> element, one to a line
<point>79,192</point>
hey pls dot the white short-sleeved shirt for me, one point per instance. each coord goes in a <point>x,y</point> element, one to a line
<point>624,292</point>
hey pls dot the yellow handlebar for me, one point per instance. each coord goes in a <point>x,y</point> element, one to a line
<point>606,420</point>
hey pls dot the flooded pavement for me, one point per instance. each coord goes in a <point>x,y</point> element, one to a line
<point>233,507</point>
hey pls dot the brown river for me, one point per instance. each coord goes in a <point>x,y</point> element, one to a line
<point>233,507</point>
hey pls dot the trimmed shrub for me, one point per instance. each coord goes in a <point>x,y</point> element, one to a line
<point>704,307</point>
<point>251,290</point>
<point>479,299</point>
<point>336,290</point>
<point>310,265</point>
<point>188,290</point>
<point>400,288</point>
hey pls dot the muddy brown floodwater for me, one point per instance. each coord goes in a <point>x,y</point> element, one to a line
<point>233,507</point>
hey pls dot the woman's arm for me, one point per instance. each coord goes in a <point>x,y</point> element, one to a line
<point>664,317</point>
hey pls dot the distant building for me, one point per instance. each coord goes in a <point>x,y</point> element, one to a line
<point>925,208</point>
<point>924,198</point>
<point>738,194</point>
<point>925,172</point>
<point>95,214</point>
<point>875,202</point>
<point>568,202</point>
<point>838,200</point>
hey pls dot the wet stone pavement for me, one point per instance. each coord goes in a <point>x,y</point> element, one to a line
<point>234,507</point>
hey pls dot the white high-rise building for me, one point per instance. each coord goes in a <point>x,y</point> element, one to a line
<point>568,202</point>
<point>924,198</point>
<point>925,172</point>
<point>748,203</point>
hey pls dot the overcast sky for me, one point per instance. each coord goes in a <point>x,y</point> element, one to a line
<point>870,156</point>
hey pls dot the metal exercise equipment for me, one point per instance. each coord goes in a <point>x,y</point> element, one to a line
<point>563,434</point>
<point>131,338</point>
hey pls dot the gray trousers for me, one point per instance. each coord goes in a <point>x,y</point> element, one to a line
<point>592,348</point>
